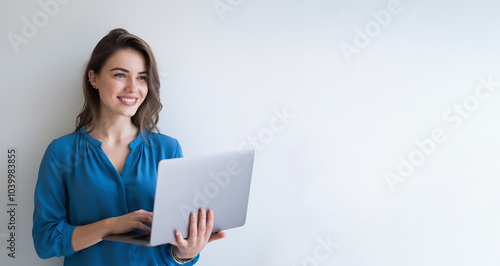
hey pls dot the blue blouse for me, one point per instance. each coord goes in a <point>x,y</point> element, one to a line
<point>78,185</point>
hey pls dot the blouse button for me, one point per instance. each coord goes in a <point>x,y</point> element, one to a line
<point>67,246</point>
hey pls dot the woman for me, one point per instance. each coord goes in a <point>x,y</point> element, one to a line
<point>100,180</point>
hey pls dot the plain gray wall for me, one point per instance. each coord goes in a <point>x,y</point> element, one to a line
<point>334,95</point>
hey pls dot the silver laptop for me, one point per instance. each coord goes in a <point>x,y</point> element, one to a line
<point>218,182</point>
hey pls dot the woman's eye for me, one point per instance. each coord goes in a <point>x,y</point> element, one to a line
<point>120,75</point>
<point>143,78</point>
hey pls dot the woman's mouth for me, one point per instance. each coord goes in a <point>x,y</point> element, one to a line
<point>128,101</point>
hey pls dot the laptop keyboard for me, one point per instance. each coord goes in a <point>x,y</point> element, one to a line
<point>144,237</point>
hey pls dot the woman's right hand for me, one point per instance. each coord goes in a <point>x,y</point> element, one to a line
<point>128,222</point>
<point>87,235</point>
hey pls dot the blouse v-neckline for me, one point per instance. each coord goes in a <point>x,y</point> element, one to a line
<point>98,144</point>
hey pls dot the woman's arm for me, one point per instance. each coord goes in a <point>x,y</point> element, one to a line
<point>51,231</point>
<point>87,235</point>
<point>53,235</point>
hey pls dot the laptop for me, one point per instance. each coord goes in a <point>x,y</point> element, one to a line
<point>218,182</point>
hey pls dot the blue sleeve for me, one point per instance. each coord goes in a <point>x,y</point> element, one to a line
<point>52,234</point>
<point>178,151</point>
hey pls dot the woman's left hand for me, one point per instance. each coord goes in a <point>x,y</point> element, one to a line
<point>200,234</point>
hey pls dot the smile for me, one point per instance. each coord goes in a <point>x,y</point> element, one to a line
<point>128,101</point>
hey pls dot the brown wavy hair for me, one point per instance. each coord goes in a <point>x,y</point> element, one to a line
<point>147,115</point>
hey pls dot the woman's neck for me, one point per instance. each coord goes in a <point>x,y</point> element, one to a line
<point>114,130</point>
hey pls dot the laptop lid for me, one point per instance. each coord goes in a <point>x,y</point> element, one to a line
<point>218,182</point>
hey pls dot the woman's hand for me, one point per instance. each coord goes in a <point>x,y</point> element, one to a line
<point>87,235</point>
<point>200,234</point>
<point>128,222</point>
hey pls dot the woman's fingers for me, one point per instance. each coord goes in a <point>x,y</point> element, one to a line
<point>193,230</point>
<point>128,222</point>
<point>199,234</point>
<point>143,216</point>
<point>179,240</point>
<point>142,226</point>
<point>216,236</point>
<point>202,222</point>
<point>209,224</point>
<point>139,219</point>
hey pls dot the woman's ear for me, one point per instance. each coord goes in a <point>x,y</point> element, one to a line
<point>92,79</point>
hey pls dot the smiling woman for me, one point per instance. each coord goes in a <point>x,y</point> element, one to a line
<point>120,47</point>
<point>122,84</point>
<point>106,184</point>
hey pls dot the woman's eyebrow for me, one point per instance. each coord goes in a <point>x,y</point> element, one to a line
<point>125,70</point>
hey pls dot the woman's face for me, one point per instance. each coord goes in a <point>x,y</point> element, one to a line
<point>122,83</point>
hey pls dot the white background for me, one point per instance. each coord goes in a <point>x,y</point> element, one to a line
<point>320,177</point>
